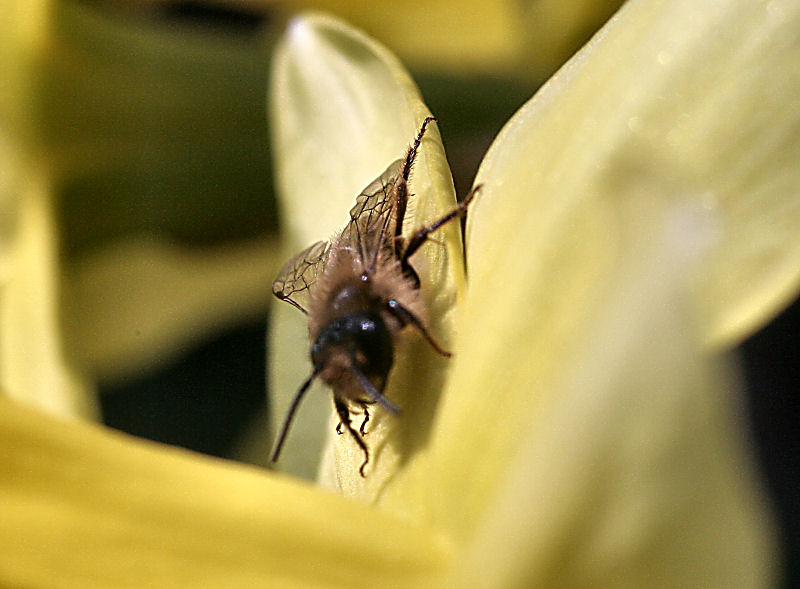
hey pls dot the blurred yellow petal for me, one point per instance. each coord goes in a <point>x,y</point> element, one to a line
<point>87,507</point>
<point>481,35</point>
<point>494,37</point>
<point>576,182</point>
<point>33,364</point>
<point>136,302</point>
<point>91,106</point>
<point>700,96</point>
<point>343,109</point>
<point>556,29</point>
<point>631,471</point>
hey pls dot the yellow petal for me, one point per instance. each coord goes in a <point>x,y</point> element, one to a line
<point>343,110</point>
<point>557,29</point>
<point>631,472</point>
<point>92,97</point>
<point>84,507</point>
<point>580,180</point>
<point>703,95</point>
<point>138,301</point>
<point>33,365</point>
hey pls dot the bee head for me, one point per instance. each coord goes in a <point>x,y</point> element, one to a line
<point>358,341</point>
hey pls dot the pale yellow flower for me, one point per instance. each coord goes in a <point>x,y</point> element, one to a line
<point>636,219</point>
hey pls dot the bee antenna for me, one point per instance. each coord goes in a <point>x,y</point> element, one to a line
<point>276,450</point>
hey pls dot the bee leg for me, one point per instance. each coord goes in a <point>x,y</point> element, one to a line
<point>363,426</point>
<point>401,190</point>
<point>422,234</point>
<point>339,428</point>
<point>412,150</point>
<point>407,270</point>
<point>344,415</point>
<point>406,317</point>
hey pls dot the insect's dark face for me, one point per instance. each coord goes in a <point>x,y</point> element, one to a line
<point>357,340</point>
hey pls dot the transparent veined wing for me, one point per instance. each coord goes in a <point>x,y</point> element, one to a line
<point>299,274</point>
<point>370,227</point>
<point>366,233</point>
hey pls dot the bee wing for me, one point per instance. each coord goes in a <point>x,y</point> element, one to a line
<point>299,273</point>
<point>368,230</point>
<point>366,233</point>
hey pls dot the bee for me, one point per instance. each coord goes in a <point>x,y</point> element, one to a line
<point>359,291</point>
